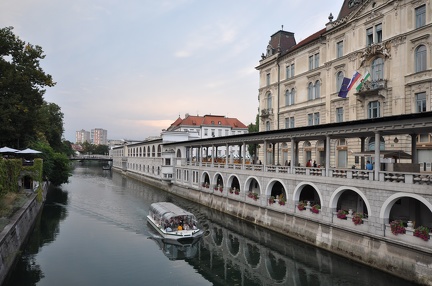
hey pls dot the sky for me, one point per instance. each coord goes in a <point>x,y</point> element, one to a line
<point>133,67</point>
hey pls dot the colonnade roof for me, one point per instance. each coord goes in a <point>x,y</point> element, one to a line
<point>407,124</point>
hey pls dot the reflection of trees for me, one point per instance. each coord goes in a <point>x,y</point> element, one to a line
<point>30,273</point>
<point>27,272</point>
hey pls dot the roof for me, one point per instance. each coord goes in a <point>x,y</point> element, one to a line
<point>207,120</point>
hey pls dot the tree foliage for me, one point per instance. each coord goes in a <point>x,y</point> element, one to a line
<point>22,83</point>
<point>56,165</point>
<point>89,148</point>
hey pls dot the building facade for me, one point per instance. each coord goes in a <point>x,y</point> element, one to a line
<point>210,126</point>
<point>99,136</point>
<point>300,82</point>
<point>82,136</point>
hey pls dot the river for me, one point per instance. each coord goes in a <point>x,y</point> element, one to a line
<point>93,231</point>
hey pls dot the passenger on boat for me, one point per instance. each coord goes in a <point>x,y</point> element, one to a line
<point>179,227</point>
<point>186,226</point>
<point>168,229</point>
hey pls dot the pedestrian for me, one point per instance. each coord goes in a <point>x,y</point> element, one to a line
<point>369,166</point>
<point>309,163</point>
<point>315,164</point>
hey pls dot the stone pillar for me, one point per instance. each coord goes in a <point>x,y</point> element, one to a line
<point>293,155</point>
<point>243,155</point>
<point>414,158</point>
<point>327,155</point>
<point>377,166</point>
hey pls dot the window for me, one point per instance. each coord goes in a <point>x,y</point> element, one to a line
<point>268,79</point>
<point>292,101</point>
<point>339,80</point>
<point>317,89</point>
<point>213,133</point>
<point>269,101</point>
<point>316,118</point>
<point>374,109</point>
<point>311,61</point>
<point>420,14</point>
<point>377,69</point>
<point>205,131</point>
<point>289,97</point>
<point>316,60</point>
<point>369,36</point>
<point>378,33</point>
<point>310,91</point>
<point>339,49</point>
<point>289,122</point>
<point>370,39</point>
<point>289,71</point>
<point>219,132</point>
<point>420,58</point>
<point>226,132</point>
<point>339,114</point>
<point>267,126</point>
<point>313,118</point>
<point>421,102</point>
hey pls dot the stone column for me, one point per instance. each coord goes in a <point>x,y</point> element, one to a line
<point>327,155</point>
<point>377,166</point>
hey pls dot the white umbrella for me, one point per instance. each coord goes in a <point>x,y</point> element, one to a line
<point>28,151</point>
<point>8,150</point>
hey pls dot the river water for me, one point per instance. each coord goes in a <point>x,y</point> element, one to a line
<point>93,231</point>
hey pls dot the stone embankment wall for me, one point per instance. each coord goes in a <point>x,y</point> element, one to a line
<point>15,234</point>
<point>400,259</point>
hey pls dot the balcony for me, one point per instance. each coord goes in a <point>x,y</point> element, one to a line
<point>266,112</point>
<point>373,87</point>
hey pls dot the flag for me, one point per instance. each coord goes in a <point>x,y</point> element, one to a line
<point>343,92</point>
<point>355,77</point>
<point>365,77</point>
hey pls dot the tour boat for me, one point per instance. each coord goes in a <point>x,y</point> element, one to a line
<point>174,223</point>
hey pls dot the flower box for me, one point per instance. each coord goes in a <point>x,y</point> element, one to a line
<point>342,214</point>
<point>301,206</point>
<point>315,209</point>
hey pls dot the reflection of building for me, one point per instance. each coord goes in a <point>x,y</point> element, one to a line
<point>300,82</point>
<point>209,126</point>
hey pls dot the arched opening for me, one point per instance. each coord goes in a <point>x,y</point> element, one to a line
<point>309,194</point>
<point>350,200</point>
<point>410,209</point>
<point>276,267</point>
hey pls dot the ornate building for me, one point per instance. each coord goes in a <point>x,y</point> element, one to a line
<point>300,82</point>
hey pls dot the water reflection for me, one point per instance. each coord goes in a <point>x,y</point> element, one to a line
<point>45,232</point>
<point>176,251</point>
<point>231,252</point>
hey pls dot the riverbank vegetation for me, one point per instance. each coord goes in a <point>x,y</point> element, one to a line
<point>28,121</point>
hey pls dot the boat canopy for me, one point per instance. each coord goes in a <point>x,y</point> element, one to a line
<point>164,211</point>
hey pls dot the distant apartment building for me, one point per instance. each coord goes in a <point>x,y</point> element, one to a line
<point>208,126</point>
<point>82,136</point>
<point>99,136</point>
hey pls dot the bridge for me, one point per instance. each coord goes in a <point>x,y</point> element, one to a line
<point>82,158</point>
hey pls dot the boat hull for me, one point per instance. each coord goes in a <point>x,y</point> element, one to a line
<point>181,237</point>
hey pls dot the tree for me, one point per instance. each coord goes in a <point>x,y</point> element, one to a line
<point>56,165</point>
<point>252,128</point>
<point>22,83</point>
<point>50,127</point>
